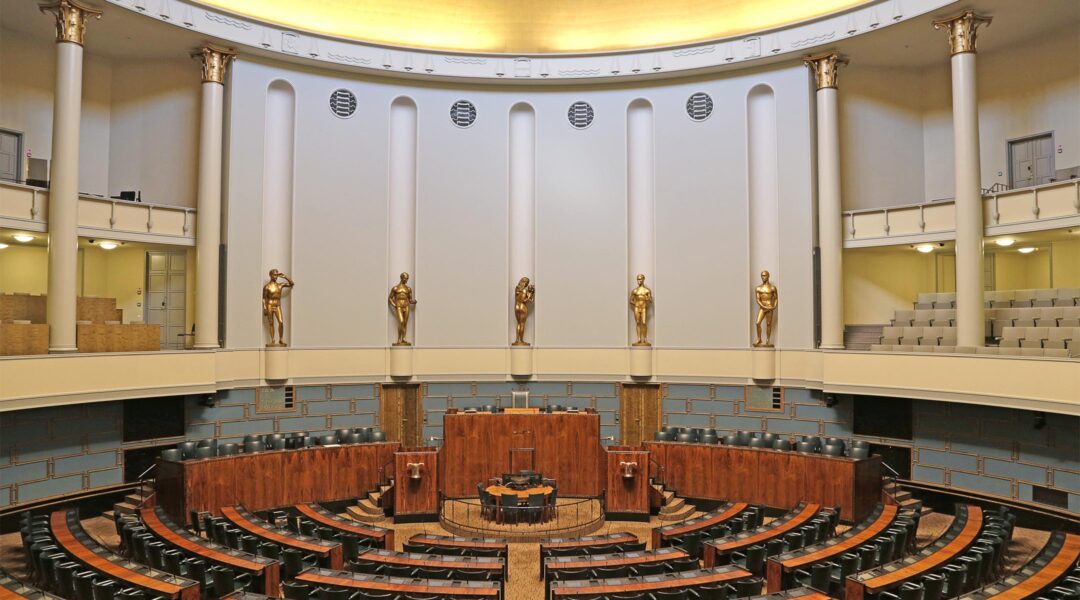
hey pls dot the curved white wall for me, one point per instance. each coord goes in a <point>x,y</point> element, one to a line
<point>640,201</point>
<point>279,159</point>
<point>522,189</point>
<point>763,187</point>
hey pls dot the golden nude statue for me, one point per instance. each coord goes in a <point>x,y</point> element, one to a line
<point>767,299</point>
<point>640,298</point>
<point>523,297</point>
<point>271,301</point>
<point>401,300</point>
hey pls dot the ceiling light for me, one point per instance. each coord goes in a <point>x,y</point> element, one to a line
<point>108,245</point>
<point>23,237</point>
<point>925,248</point>
<point>1026,250</point>
<point>1005,242</point>
<point>2,246</point>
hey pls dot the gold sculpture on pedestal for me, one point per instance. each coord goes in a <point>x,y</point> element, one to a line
<point>640,298</point>
<point>401,300</point>
<point>767,299</point>
<point>271,301</point>
<point>523,297</point>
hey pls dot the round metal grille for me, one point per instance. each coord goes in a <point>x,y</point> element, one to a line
<point>699,106</point>
<point>343,103</point>
<point>462,113</point>
<point>580,115</point>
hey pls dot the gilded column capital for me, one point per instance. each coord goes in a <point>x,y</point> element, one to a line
<point>962,29</point>
<point>71,17</point>
<point>215,61</point>
<point>825,68</point>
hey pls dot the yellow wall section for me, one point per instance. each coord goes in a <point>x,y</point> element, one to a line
<point>24,269</point>
<point>1066,263</point>
<point>1015,271</point>
<point>877,282</point>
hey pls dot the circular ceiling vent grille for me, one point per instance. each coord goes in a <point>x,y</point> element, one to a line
<point>699,106</point>
<point>580,115</point>
<point>462,113</point>
<point>343,103</point>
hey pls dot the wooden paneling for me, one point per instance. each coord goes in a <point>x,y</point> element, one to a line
<point>771,477</point>
<point>271,479</point>
<point>400,414</point>
<point>627,495</point>
<point>21,339</point>
<point>640,414</point>
<point>477,447</point>
<point>22,307</point>
<point>416,496</point>
<point>132,337</point>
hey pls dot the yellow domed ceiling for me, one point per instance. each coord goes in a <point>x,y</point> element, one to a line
<point>533,26</point>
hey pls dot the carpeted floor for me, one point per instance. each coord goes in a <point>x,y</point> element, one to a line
<point>524,558</point>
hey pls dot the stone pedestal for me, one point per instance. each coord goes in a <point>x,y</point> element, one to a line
<point>764,364</point>
<point>521,361</point>
<point>641,363</point>
<point>276,363</point>
<point>401,361</point>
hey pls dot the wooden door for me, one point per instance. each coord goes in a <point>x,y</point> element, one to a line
<point>640,412</point>
<point>400,416</point>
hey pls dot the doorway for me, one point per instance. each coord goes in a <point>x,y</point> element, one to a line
<point>10,155</point>
<point>166,294</point>
<point>401,417</point>
<point>640,412</point>
<point>1031,160</point>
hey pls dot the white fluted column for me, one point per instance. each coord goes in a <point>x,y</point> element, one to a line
<point>71,17</point>
<point>830,232</point>
<point>215,61</point>
<point>970,311</point>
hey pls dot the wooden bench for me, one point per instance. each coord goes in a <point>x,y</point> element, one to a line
<point>730,510</point>
<point>13,589</point>
<point>714,550</point>
<point>554,564</point>
<point>959,537</point>
<point>1057,558</point>
<point>442,588</point>
<point>588,541</point>
<point>329,552</point>
<point>648,583</point>
<point>495,566</point>
<point>781,567</point>
<point>318,514</point>
<point>266,573</point>
<point>460,543</point>
<point>69,535</point>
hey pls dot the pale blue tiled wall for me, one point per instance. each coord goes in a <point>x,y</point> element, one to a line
<point>724,409</point>
<point>49,452</point>
<point>437,397</point>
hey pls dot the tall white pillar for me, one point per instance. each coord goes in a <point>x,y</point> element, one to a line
<point>640,199</point>
<point>522,152</point>
<point>60,305</point>
<point>830,232</point>
<point>970,311</point>
<point>403,165</point>
<point>208,217</point>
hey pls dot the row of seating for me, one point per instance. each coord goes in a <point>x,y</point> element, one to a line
<point>807,523</point>
<point>451,545</point>
<point>15,589</point>
<point>621,541</point>
<point>429,565</point>
<point>998,318</point>
<point>713,583</point>
<point>347,585</point>
<point>928,317</point>
<point>1060,338</point>
<point>1005,298</point>
<point>919,336</point>
<point>809,444</point>
<point>709,525</point>
<point>1054,574</point>
<point>619,564</point>
<point>307,518</point>
<point>983,350</point>
<point>210,447</point>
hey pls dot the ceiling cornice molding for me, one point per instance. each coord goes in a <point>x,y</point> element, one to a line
<point>790,42</point>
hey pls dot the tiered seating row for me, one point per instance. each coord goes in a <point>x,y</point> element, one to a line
<point>430,566</point>
<point>722,550</point>
<point>441,588</point>
<point>1055,566</point>
<point>662,536</point>
<point>699,580</point>
<point>1005,298</point>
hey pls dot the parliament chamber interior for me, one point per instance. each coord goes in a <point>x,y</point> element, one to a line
<point>481,299</point>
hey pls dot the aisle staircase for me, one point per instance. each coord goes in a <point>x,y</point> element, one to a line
<point>894,494</point>
<point>373,508</point>
<point>133,501</point>
<point>672,507</point>
<point>861,337</point>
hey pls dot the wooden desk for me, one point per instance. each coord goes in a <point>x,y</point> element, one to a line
<point>783,564</point>
<point>330,552</point>
<point>799,593</point>
<point>801,515</point>
<point>959,539</point>
<point>1031,581</point>
<point>588,541</point>
<point>498,490</point>
<point>730,510</point>
<point>272,479</point>
<point>265,572</point>
<point>70,536</point>
<point>448,541</point>
<point>443,588</point>
<point>13,589</point>
<point>647,583</point>
<point>553,564</point>
<point>770,477</point>
<point>494,565</point>
<point>318,514</point>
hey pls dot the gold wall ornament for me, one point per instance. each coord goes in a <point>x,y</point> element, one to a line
<point>401,301</point>
<point>825,68</point>
<point>767,299</point>
<point>71,17</point>
<point>962,30</point>
<point>271,300</point>
<point>640,299</point>
<point>215,62</point>
<point>524,294</point>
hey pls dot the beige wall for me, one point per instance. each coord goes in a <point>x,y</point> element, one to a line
<point>1066,263</point>
<point>877,282</point>
<point>1015,271</point>
<point>24,269</point>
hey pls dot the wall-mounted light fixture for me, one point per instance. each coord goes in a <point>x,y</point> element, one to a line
<point>628,469</point>
<point>414,470</point>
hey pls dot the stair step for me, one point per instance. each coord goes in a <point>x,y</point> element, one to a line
<point>110,515</point>
<point>668,495</point>
<point>357,514</point>
<point>683,514</point>
<point>901,495</point>
<point>676,505</point>
<point>369,507</point>
<point>125,508</point>
<point>374,497</point>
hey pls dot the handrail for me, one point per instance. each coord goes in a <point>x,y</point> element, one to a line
<point>570,517</point>
<point>142,483</point>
